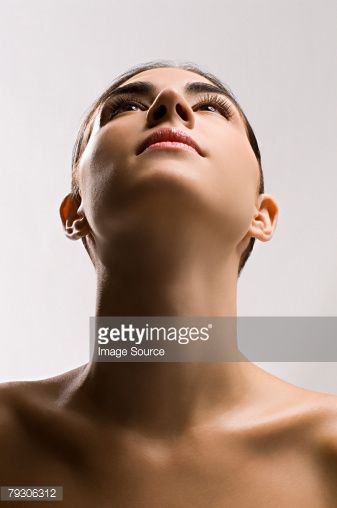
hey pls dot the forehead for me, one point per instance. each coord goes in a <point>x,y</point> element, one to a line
<point>167,76</point>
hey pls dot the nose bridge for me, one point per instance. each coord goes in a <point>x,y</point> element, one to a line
<point>168,103</point>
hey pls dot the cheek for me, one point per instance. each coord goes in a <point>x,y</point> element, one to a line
<point>107,149</point>
<point>234,186</point>
<point>100,176</point>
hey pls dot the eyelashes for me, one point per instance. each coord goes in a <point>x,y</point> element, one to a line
<point>222,104</point>
<point>119,104</point>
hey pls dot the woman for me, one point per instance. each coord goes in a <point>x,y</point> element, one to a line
<point>168,198</point>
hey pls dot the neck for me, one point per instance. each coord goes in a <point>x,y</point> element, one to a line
<point>187,275</point>
<point>145,277</point>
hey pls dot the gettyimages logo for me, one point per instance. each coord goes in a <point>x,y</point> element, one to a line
<point>153,338</point>
<point>130,333</point>
<point>213,338</point>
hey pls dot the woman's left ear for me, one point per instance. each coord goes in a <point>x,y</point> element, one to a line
<point>75,225</point>
<point>265,219</point>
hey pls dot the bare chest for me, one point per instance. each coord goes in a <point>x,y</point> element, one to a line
<point>198,475</point>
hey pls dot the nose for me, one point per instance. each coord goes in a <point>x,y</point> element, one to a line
<point>169,105</point>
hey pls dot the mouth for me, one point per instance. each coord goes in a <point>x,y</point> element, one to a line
<point>168,139</point>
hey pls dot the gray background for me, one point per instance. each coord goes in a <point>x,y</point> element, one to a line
<point>278,57</point>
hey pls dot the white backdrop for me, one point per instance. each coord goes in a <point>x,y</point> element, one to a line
<point>279,59</point>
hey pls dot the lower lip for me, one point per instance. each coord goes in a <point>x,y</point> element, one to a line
<point>171,145</point>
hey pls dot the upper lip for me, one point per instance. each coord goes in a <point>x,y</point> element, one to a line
<point>167,134</point>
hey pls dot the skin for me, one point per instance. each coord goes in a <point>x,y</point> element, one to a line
<point>166,230</point>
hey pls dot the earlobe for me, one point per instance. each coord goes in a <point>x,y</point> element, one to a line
<point>75,225</point>
<point>265,220</point>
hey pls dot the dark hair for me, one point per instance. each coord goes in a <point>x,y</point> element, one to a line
<point>87,124</point>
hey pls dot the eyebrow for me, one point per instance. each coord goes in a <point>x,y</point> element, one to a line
<point>145,88</point>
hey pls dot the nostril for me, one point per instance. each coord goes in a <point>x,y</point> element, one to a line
<point>159,112</point>
<point>181,112</point>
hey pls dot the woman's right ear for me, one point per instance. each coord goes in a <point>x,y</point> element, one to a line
<point>75,224</point>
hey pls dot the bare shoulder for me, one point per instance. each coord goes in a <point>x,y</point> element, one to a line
<point>36,434</point>
<point>320,410</point>
<point>316,412</point>
<point>24,401</point>
<point>14,392</point>
<point>313,437</point>
<point>324,406</point>
<point>324,441</point>
<point>298,414</point>
<point>304,422</point>
<point>315,425</point>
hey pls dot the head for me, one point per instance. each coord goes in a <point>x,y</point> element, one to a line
<point>169,80</point>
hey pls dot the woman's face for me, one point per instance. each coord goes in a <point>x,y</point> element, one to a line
<point>218,186</point>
